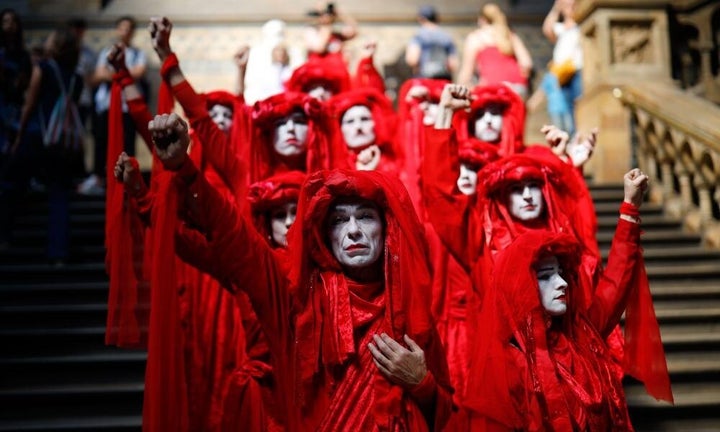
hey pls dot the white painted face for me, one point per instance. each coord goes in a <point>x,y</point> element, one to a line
<point>525,200</point>
<point>430,112</point>
<point>358,127</point>
<point>551,286</point>
<point>489,123</point>
<point>290,137</point>
<point>281,218</point>
<point>320,93</point>
<point>222,116</point>
<point>355,233</point>
<point>467,180</point>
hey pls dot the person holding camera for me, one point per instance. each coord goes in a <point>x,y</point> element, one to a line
<point>329,31</point>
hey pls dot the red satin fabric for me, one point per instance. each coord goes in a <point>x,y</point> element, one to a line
<point>532,372</point>
<point>309,359</point>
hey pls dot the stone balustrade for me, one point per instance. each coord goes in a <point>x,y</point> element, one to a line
<point>677,143</point>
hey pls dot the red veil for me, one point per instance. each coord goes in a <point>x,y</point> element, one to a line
<point>263,161</point>
<point>517,371</point>
<point>272,192</point>
<point>325,72</point>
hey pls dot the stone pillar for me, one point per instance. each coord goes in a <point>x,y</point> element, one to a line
<point>622,45</point>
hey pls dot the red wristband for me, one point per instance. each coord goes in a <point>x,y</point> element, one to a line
<point>170,63</point>
<point>629,209</point>
<point>123,78</point>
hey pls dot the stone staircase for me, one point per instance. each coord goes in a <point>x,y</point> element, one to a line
<point>685,282</point>
<point>56,374</point>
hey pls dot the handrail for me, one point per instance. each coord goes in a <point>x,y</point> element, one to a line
<point>678,137</point>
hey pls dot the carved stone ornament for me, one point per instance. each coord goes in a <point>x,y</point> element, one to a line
<point>631,43</point>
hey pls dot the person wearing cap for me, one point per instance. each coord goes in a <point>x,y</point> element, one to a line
<point>431,52</point>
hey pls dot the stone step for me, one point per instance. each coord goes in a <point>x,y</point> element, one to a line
<point>678,337</point>
<point>101,366</point>
<point>56,341</point>
<point>687,311</point>
<point>16,274</point>
<point>697,405</point>
<point>26,254</point>
<point>53,316</point>
<point>704,364</point>
<point>77,206</point>
<point>38,236</point>
<point>687,289</point>
<point>121,398</point>
<point>94,220</point>
<point>675,253</point>
<point>85,423</point>
<point>702,269</point>
<point>655,238</point>
<point>613,208</point>
<point>58,292</point>
<point>650,222</point>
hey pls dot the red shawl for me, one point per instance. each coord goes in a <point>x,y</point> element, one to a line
<point>530,373</point>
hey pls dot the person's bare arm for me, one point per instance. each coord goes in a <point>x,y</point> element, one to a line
<point>453,97</point>
<point>550,20</point>
<point>317,38</point>
<point>349,27</point>
<point>412,55</point>
<point>522,55</point>
<point>241,60</point>
<point>160,29</point>
<point>467,67</point>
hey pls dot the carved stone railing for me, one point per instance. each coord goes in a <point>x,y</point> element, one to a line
<point>696,46</point>
<point>677,143</point>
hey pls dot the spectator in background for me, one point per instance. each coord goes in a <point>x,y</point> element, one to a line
<point>329,31</point>
<point>15,71</point>
<point>137,65</point>
<point>565,70</point>
<point>85,67</point>
<point>269,64</point>
<point>495,53</point>
<point>431,53</point>
<point>52,77</point>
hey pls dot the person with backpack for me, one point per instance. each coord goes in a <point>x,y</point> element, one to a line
<point>431,53</point>
<point>52,103</point>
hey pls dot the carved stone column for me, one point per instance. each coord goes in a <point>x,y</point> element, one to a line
<point>622,44</point>
<point>702,21</point>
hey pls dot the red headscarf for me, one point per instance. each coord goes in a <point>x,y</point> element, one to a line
<point>382,112</point>
<point>513,128</point>
<point>326,339</point>
<point>320,71</point>
<point>499,226</point>
<point>319,154</point>
<point>516,326</point>
<point>271,193</point>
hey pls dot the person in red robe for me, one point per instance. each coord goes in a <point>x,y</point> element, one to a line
<point>347,319</point>
<point>539,361</point>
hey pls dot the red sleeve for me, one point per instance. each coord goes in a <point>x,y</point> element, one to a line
<point>239,256</point>
<point>217,149</point>
<point>367,76</point>
<point>611,294</point>
<point>434,393</point>
<point>140,114</point>
<point>449,211</point>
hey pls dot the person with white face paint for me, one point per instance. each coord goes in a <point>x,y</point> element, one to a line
<point>488,123</point>
<point>541,316</point>
<point>365,124</point>
<point>356,249</point>
<point>358,127</point>
<point>467,180</point>
<point>290,137</point>
<point>525,200</point>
